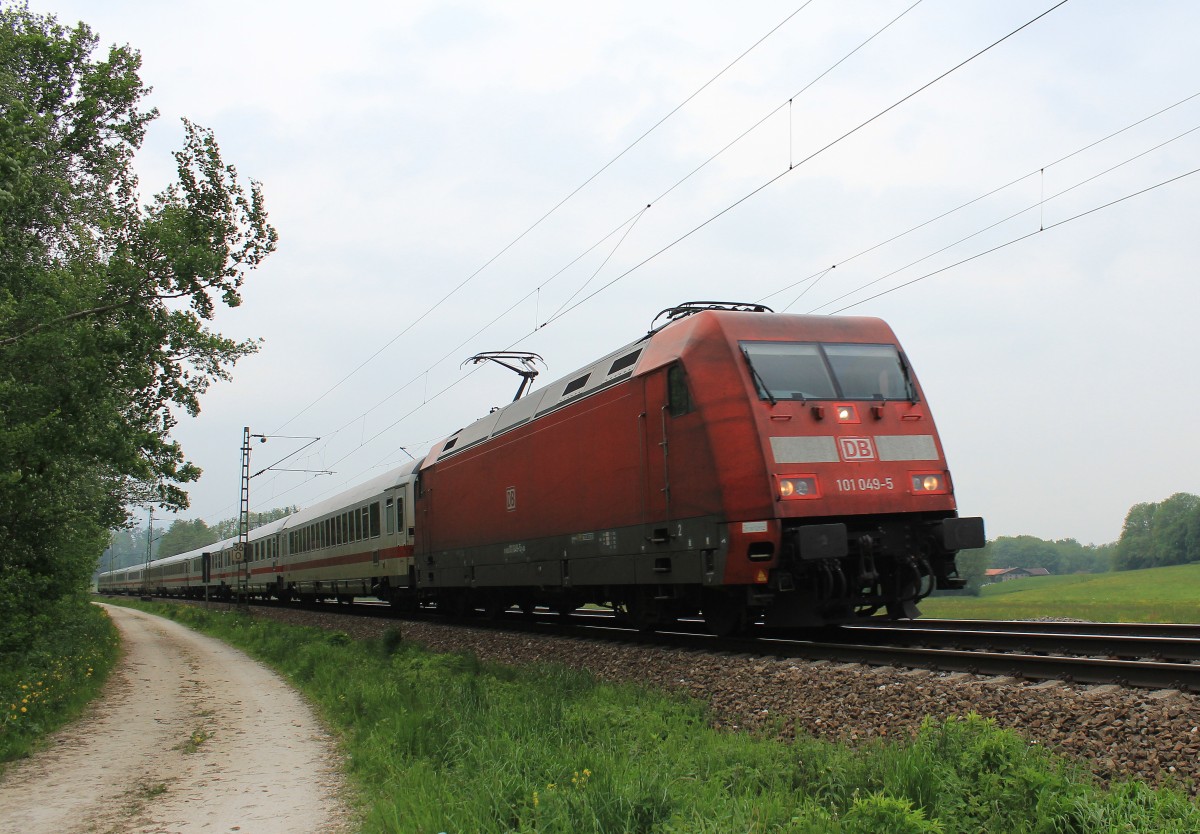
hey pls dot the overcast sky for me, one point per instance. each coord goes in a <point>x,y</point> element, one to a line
<point>404,145</point>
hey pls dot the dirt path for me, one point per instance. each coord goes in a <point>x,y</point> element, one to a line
<point>190,735</point>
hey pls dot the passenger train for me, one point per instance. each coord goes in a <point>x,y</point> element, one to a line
<point>733,463</point>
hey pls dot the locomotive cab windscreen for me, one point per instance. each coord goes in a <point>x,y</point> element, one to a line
<point>817,371</point>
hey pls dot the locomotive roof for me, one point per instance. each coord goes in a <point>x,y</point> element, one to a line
<point>653,350</point>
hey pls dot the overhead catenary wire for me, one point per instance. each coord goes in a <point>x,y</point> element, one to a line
<point>1016,240</point>
<point>810,157</point>
<point>627,223</point>
<point>543,218</point>
<point>1051,226</point>
<point>983,196</point>
<point>1040,204</point>
<point>792,167</point>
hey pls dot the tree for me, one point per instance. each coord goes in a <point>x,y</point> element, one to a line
<point>184,535</point>
<point>228,528</point>
<point>1175,530</point>
<point>1154,535</point>
<point>103,301</point>
<point>972,566</point>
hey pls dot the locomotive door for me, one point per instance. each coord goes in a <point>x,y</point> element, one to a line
<point>656,488</point>
<point>671,444</point>
<point>680,484</point>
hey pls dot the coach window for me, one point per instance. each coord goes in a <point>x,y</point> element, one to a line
<point>375,520</point>
<point>389,515</point>
<point>400,515</point>
<point>679,400</point>
<point>358,524</point>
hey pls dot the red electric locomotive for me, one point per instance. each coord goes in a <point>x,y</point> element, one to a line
<point>733,463</point>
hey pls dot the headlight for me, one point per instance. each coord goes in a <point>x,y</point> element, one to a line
<point>930,483</point>
<point>798,486</point>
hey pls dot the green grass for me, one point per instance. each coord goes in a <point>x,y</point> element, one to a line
<point>1165,595</point>
<point>445,743</point>
<point>49,679</point>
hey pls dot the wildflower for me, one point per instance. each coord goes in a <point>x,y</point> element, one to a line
<point>23,709</point>
<point>535,799</point>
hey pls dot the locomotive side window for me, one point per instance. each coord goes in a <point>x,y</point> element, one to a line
<point>575,384</point>
<point>679,399</point>
<point>626,361</point>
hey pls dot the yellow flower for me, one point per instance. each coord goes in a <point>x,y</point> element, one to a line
<point>23,709</point>
<point>535,799</point>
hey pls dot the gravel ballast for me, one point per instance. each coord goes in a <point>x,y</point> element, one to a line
<point>1118,733</point>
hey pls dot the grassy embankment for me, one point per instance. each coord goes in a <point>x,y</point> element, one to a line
<point>444,743</point>
<point>53,674</point>
<point>1165,595</point>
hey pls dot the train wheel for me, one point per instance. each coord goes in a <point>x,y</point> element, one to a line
<point>724,616</point>
<point>639,612</point>
<point>494,607</point>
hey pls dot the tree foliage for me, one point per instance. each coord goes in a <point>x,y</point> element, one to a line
<point>104,300</point>
<point>1058,556</point>
<point>1155,535</point>
<point>185,535</point>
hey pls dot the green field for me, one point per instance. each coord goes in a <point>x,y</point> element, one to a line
<point>1167,595</point>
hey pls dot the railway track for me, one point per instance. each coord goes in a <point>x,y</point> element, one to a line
<point>1154,656</point>
<point>1122,660</point>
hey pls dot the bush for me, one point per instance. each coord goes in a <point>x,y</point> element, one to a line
<point>48,680</point>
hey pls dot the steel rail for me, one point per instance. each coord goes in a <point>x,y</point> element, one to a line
<point>1176,649</point>
<point>1191,630</point>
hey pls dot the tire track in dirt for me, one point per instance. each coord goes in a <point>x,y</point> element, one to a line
<point>189,735</point>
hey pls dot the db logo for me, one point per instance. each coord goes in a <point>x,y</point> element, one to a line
<point>856,448</point>
<point>510,498</point>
